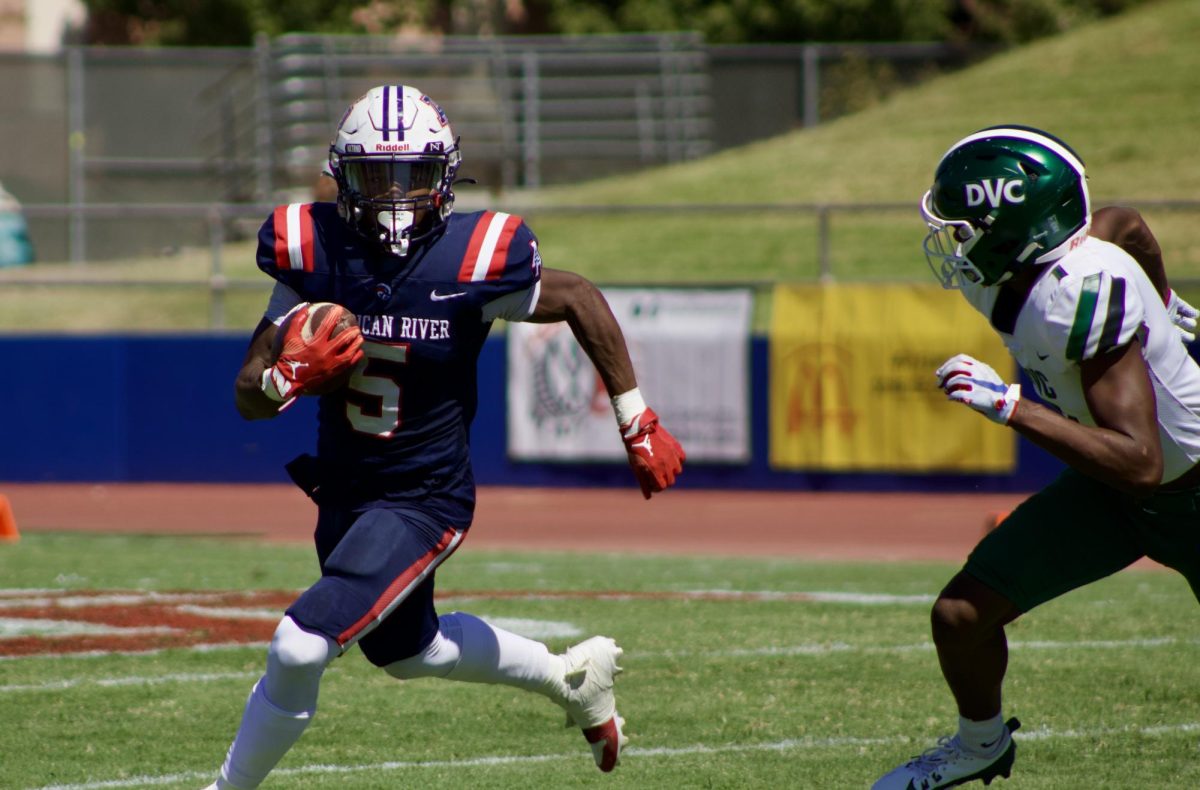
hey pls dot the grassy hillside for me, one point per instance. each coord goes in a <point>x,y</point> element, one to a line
<point>1121,91</point>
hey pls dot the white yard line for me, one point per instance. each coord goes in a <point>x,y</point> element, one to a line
<point>814,649</point>
<point>11,598</point>
<point>631,753</point>
<point>204,648</point>
<point>828,648</point>
<point>130,680</point>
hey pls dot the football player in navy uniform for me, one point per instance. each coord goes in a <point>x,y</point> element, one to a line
<point>1091,319</point>
<point>392,475</point>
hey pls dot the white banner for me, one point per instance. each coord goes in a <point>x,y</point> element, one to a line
<point>691,352</point>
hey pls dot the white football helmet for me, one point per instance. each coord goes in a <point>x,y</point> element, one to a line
<point>394,157</point>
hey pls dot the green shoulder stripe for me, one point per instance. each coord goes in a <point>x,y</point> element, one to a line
<point>1085,312</point>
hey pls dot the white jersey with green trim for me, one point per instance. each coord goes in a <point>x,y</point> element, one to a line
<point>1092,300</point>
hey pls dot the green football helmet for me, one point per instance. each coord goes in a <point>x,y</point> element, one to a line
<point>1002,199</point>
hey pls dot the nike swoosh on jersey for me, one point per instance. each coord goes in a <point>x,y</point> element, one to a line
<point>437,297</point>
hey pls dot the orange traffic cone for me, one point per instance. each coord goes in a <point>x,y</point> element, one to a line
<point>993,520</point>
<point>8,524</point>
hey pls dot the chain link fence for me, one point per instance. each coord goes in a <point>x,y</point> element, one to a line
<point>125,153</point>
<point>243,126</point>
<point>872,240</point>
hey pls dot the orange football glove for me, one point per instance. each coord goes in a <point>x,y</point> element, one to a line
<point>312,356</point>
<point>654,454</point>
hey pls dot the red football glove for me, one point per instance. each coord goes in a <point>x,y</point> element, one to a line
<point>306,366</point>
<point>654,454</point>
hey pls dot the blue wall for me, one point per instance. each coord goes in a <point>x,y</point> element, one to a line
<point>160,408</point>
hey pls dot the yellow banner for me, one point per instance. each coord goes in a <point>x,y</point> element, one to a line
<point>852,385</point>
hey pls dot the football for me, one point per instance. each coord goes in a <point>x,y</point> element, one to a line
<point>317,312</point>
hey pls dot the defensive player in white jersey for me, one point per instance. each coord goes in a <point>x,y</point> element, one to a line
<point>1099,335</point>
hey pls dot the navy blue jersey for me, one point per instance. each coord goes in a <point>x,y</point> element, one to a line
<point>400,429</point>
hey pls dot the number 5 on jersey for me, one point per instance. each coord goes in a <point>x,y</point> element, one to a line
<point>373,392</point>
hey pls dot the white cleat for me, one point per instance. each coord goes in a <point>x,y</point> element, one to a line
<point>591,666</point>
<point>949,764</point>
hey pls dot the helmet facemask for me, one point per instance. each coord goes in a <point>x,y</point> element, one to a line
<point>394,200</point>
<point>946,247</point>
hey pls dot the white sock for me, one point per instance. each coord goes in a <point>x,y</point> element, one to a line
<point>266,733</point>
<point>470,650</point>
<point>280,706</point>
<point>981,737</point>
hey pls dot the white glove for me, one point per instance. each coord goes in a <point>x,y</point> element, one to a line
<point>967,380</point>
<point>1183,316</point>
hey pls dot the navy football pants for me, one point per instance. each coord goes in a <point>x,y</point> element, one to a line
<point>376,585</point>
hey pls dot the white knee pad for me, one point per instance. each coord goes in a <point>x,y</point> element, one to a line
<point>295,662</point>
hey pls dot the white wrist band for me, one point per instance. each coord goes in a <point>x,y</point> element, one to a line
<point>269,388</point>
<point>628,405</point>
<point>1012,396</point>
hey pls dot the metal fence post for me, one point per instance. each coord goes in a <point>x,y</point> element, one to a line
<point>824,264</point>
<point>217,281</point>
<point>531,145</point>
<point>812,85</point>
<point>645,121</point>
<point>332,80</point>
<point>76,141</point>
<point>264,156</point>
<point>670,91</point>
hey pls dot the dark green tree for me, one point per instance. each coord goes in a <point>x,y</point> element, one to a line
<point>210,22</point>
<point>235,22</point>
<point>169,22</point>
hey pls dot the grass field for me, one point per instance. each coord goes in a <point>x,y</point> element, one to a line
<point>819,675</point>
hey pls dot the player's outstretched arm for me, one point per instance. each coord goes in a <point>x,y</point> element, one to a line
<point>252,402</point>
<point>654,455</point>
<point>1126,227</point>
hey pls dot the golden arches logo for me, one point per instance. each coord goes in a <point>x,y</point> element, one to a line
<point>818,389</point>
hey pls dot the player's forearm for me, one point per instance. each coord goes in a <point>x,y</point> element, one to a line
<point>594,326</point>
<point>566,296</point>
<point>252,403</point>
<point>251,400</point>
<point>1109,456</point>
